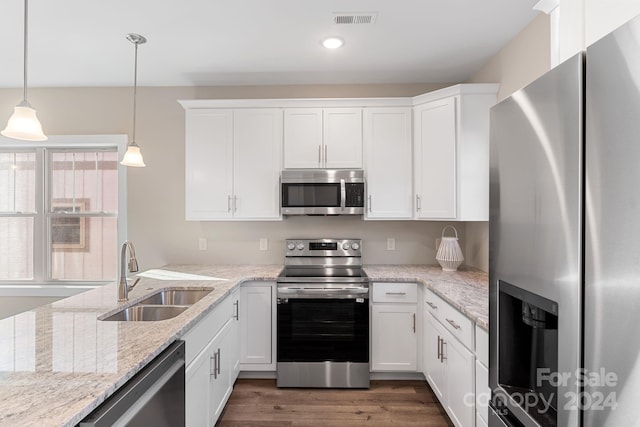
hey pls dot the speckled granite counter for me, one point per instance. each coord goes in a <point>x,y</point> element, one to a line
<point>59,362</point>
<point>467,290</point>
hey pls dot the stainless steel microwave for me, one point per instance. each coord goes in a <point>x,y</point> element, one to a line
<point>322,192</point>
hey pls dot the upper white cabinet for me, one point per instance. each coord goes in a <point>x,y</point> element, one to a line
<point>323,138</point>
<point>208,161</point>
<point>232,163</point>
<point>388,162</point>
<point>451,153</point>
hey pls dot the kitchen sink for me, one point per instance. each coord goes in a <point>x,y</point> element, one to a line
<point>176,297</point>
<point>147,313</point>
<point>162,305</point>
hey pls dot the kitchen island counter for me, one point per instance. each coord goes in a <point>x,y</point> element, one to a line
<point>59,362</point>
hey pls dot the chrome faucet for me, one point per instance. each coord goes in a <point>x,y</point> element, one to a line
<point>123,286</point>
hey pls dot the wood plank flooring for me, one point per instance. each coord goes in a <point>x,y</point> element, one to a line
<point>259,403</point>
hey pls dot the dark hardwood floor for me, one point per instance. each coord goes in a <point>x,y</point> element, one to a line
<point>259,403</point>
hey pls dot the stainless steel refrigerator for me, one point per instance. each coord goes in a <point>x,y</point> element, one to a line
<point>564,267</point>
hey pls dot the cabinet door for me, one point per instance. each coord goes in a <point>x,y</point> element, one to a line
<point>197,388</point>
<point>302,138</point>
<point>460,379</point>
<point>255,345</point>
<point>433,366</point>
<point>393,337</point>
<point>234,337</point>
<point>208,164</point>
<point>342,136</point>
<point>257,142</point>
<point>435,156</point>
<point>220,386</point>
<point>388,163</point>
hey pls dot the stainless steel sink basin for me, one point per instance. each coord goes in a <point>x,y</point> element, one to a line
<point>147,313</point>
<point>176,297</point>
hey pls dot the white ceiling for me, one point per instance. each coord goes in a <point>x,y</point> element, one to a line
<point>246,42</point>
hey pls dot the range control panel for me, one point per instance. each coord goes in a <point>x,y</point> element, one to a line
<point>323,247</point>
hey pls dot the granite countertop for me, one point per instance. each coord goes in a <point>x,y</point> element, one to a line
<point>465,289</point>
<point>58,362</point>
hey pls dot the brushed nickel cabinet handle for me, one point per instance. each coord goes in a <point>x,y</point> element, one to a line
<point>218,361</point>
<point>228,203</point>
<point>325,155</point>
<point>396,293</point>
<point>369,204</point>
<point>414,322</point>
<point>212,369</point>
<point>439,350</point>
<point>418,204</point>
<point>442,356</point>
<point>319,154</point>
<point>454,324</point>
<point>432,305</point>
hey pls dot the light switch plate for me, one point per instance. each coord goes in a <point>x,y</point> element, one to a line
<point>264,244</point>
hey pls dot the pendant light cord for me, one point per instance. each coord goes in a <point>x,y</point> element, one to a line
<point>26,21</point>
<point>135,87</point>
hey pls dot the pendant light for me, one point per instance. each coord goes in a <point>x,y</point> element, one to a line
<point>24,124</point>
<point>133,157</point>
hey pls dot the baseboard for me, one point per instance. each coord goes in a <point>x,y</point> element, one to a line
<point>258,375</point>
<point>406,376</point>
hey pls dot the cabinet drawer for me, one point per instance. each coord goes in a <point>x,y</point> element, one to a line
<point>395,292</point>
<point>457,323</point>
<point>199,336</point>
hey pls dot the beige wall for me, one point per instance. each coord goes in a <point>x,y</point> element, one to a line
<point>520,62</point>
<point>156,193</point>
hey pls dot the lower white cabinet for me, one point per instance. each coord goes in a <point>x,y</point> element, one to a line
<point>210,374</point>
<point>394,341</point>
<point>256,326</point>
<point>449,367</point>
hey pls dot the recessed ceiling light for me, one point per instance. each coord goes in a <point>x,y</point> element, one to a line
<point>333,42</point>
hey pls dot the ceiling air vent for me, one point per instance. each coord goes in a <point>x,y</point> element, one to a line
<point>355,18</point>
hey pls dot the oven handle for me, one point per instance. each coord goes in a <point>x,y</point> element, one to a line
<point>350,293</point>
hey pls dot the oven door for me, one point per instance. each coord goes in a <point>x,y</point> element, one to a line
<point>316,329</point>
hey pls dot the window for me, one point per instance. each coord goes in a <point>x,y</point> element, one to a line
<point>59,210</point>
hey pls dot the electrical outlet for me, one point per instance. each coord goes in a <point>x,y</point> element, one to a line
<point>391,244</point>
<point>202,244</point>
<point>264,244</point>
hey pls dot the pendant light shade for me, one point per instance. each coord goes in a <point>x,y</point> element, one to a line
<point>133,156</point>
<point>24,124</point>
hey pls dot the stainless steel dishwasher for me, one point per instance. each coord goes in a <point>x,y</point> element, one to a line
<point>153,397</point>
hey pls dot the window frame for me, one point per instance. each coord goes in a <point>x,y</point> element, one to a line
<point>42,284</point>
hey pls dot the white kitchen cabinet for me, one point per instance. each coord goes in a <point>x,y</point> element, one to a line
<point>451,152</point>
<point>388,162</point>
<point>323,138</point>
<point>460,381</point>
<point>211,357</point>
<point>208,164</point>
<point>394,339</point>
<point>232,164</point>
<point>433,366</point>
<point>449,365</point>
<point>256,325</point>
<point>235,335</point>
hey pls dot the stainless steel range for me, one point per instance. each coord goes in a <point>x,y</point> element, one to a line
<point>323,315</point>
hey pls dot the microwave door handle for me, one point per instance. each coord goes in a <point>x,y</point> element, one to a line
<point>343,194</point>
